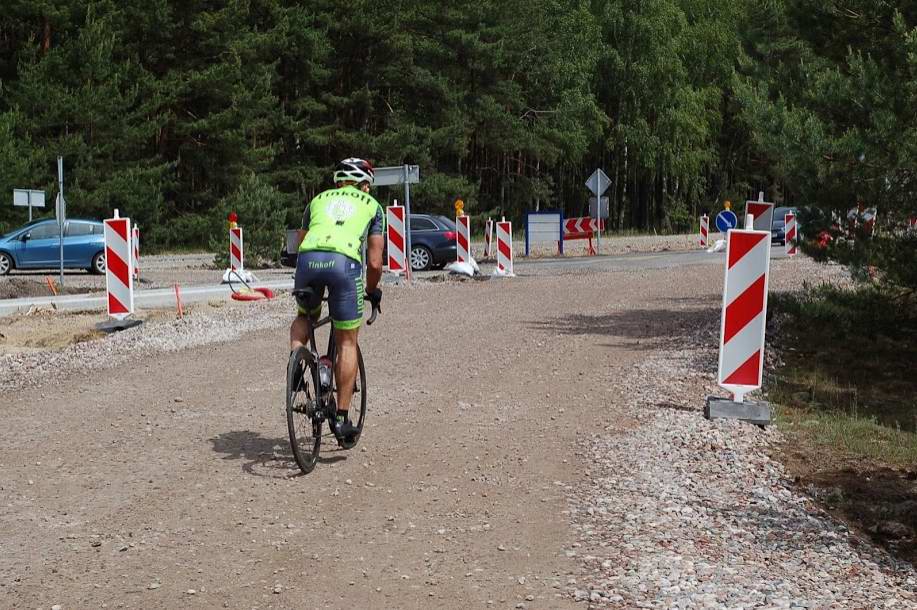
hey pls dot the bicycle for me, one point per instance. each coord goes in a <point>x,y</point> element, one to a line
<point>311,391</point>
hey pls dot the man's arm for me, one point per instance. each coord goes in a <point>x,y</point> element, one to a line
<point>374,245</point>
<point>306,219</point>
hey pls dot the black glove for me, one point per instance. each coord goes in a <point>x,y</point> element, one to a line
<point>375,297</point>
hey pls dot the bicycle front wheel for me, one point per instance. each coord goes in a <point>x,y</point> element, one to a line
<point>358,404</point>
<point>302,409</point>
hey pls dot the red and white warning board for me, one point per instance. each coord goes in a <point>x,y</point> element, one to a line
<point>762,211</point>
<point>789,233</point>
<point>136,239</point>
<point>236,253</point>
<point>741,362</point>
<point>504,249</point>
<point>119,275</point>
<point>704,230</point>
<point>583,227</point>
<point>395,236</point>
<point>463,239</point>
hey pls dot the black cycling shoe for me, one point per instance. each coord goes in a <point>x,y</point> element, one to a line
<point>346,433</point>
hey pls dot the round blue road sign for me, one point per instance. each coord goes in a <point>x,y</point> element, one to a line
<point>726,220</point>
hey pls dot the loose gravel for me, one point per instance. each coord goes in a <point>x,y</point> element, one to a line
<point>33,368</point>
<point>681,512</point>
<point>609,244</point>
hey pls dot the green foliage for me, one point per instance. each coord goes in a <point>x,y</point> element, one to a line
<point>162,108</point>
<point>828,98</point>
<point>262,216</point>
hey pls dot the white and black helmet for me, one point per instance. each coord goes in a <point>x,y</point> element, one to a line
<point>354,170</point>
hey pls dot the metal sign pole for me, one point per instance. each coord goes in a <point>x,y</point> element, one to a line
<point>60,214</point>
<point>598,212</point>
<point>408,272</point>
<point>29,199</point>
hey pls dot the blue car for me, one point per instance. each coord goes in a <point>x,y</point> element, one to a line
<point>36,245</point>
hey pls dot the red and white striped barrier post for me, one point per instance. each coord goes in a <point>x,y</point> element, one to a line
<point>741,361</point>
<point>119,277</point>
<point>704,231</point>
<point>236,271</point>
<point>395,236</point>
<point>761,212</point>
<point>463,239</point>
<point>789,234</point>
<point>912,224</point>
<point>136,241</point>
<point>488,237</point>
<point>504,249</point>
<point>236,253</point>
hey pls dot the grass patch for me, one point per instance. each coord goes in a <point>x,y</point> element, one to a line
<point>846,399</point>
<point>859,437</point>
<point>852,352</point>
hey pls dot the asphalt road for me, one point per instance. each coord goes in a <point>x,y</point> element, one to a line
<point>164,297</point>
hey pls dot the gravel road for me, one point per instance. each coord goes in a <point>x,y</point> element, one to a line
<point>531,443</point>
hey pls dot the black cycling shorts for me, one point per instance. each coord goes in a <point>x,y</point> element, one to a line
<point>342,276</point>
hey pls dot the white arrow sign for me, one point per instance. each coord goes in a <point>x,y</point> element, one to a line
<point>598,182</point>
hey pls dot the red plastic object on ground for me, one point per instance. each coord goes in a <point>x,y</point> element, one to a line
<point>255,295</point>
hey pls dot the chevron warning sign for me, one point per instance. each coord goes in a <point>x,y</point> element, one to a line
<point>744,310</point>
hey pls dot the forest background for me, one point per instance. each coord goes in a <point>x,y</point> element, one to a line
<point>175,111</point>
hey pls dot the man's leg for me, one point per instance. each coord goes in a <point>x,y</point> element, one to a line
<point>299,331</point>
<point>345,368</point>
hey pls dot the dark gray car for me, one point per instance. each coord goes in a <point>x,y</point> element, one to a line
<point>778,225</point>
<point>433,243</point>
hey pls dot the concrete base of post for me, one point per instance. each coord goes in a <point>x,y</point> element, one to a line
<point>113,325</point>
<point>758,413</point>
<point>392,279</point>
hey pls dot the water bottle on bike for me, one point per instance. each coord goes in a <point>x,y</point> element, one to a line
<point>324,373</point>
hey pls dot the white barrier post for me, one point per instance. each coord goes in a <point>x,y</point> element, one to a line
<point>704,231</point>
<point>236,271</point>
<point>789,233</point>
<point>236,255</point>
<point>504,249</point>
<point>395,236</point>
<point>463,239</point>
<point>136,236</point>
<point>762,212</point>
<point>119,282</point>
<point>741,359</point>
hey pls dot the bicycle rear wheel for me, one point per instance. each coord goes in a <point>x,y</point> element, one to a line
<point>305,428</point>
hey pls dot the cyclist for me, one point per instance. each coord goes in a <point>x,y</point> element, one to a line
<point>334,226</point>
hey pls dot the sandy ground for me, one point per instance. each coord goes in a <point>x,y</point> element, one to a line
<point>167,481</point>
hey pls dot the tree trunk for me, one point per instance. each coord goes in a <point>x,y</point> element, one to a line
<point>46,36</point>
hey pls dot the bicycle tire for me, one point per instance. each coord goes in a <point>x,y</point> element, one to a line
<point>305,445</point>
<point>359,390</point>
